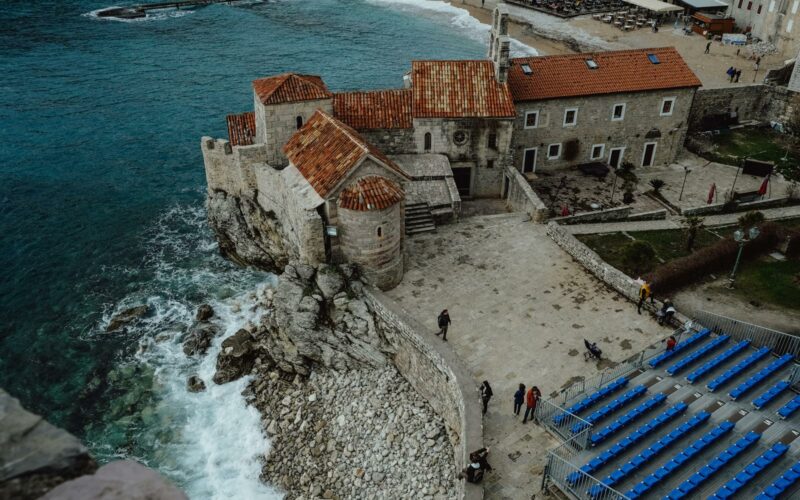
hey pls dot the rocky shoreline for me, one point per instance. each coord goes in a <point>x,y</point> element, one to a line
<point>342,421</point>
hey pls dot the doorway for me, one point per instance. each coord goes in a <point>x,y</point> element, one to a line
<point>506,185</point>
<point>615,157</point>
<point>649,154</point>
<point>529,161</point>
<point>463,179</point>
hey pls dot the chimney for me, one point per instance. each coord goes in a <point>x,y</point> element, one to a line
<point>500,43</point>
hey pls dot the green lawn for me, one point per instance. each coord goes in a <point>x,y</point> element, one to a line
<point>770,282</point>
<point>759,144</point>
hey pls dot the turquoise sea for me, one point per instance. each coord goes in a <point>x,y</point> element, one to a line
<point>101,205</point>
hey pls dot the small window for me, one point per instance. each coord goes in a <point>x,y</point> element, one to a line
<point>380,231</point>
<point>460,137</point>
<point>759,9</point>
<point>427,141</point>
<point>598,151</point>
<point>667,106</point>
<point>299,122</point>
<point>749,5</point>
<point>653,58</point>
<point>526,68</point>
<point>570,117</point>
<point>489,163</point>
<point>618,113</point>
<point>493,141</point>
<point>531,119</point>
<point>553,151</point>
<point>592,64</point>
<point>740,4</point>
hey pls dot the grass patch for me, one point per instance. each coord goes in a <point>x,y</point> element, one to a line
<point>759,144</point>
<point>770,282</point>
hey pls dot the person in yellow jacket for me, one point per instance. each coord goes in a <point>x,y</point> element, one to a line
<point>644,293</point>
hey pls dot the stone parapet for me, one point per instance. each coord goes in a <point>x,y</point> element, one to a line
<point>520,197</point>
<point>436,373</point>
<point>660,214</point>
<point>611,214</point>
<point>717,208</point>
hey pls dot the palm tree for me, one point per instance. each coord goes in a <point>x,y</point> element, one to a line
<point>692,225</point>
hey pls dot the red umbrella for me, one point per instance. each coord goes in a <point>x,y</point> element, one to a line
<point>763,189</point>
<point>711,192</point>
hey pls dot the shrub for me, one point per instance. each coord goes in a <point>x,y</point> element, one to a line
<point>625,171</point>
<point>693,224</point>
<point>627,197</point>
<point>751,219</point>
<point>793,247</point>
<point>718,257</point>
<point>638,255</point>
<point>657,184</point>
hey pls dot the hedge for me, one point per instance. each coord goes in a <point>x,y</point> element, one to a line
<point>715,258</point>
<point>793,248</point>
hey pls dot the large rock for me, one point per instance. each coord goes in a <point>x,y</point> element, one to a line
<point>329,280</point>
<point>199,338</point>
<point>124,479</point>
<point>236,358</point>
<point>204,313</point>
<point>35,455</point>
<point>195,384</point>
<point>127,317</point>
<point>246,233</point>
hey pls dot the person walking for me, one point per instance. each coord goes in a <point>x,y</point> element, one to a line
<point>731,71</point>
<point>708,47</point>
<point>644,292</point>
<point>531,399</point>
<point>738,74</point>
<point>519,397</point>
<point>444,323</point>
<point>486,394</point>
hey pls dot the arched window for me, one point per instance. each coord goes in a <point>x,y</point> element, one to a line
<point>299,121</point>
<point>380,231</point>
<point>428,141</point>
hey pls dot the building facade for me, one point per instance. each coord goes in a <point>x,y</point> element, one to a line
<point>773,21</point>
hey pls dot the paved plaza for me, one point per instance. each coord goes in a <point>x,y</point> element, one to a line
<point>521,308</point>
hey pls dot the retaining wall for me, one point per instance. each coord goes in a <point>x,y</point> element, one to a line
<point>611,214</point>
<point>520,197</point>
<point>436,373</point>
<point>757,102</point>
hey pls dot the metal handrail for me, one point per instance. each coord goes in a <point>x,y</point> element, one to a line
<point>760,336</point>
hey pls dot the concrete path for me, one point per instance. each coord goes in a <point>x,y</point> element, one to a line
<point>521,308</point>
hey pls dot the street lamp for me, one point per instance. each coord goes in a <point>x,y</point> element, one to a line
<point>686,171</point>
<point>741,238</point>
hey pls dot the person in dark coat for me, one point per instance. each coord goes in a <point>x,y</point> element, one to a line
<point>738,74</point>
<point>481,457</point>
<point>519,397</point>
<point>486,394</point>
<point>708,48</point>
<point>444,322</point>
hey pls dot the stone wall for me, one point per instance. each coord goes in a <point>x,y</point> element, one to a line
<point>230,168</point>
<point>718,208</point>
<point>770,20</point>
<point>763,103</point>
<point>641,123</point>
<point>276,123</point>
<point>373,240</point>
<point>391,141</point>
<point>611,214</point>
<point>436,373</point>
<point>520,197</point>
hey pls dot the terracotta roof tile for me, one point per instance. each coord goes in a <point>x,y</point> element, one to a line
<point>376,109</point>
<point>370,193</point>
<point>617,71</point>
<point>241,128</point>
<point>290,87</point>
<point>458,89</point>
<point>324,151</point>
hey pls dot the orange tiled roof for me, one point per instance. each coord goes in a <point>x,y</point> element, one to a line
<point>617,71</point>
<point>290,87</point>
<point>370,193</point>
<point>376,109</point>
<point>456,89</point>
<point>241,128</point>
<point>324,150</point>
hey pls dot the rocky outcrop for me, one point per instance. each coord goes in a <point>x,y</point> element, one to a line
<point>126,317</point>
<point>35,455</point>
<point>246,233</point>
<point>204,313</point>
<point>195,384</point>
<point>122,479</point>
<point>198,338</point>
<point>236,358</point>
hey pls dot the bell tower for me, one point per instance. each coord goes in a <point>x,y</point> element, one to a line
<point>500,43</point>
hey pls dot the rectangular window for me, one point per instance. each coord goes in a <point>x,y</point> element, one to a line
<point>553,151</point>
<point>759,9</point>
<point>772,5</point>
<point>489,163</point>
<point>598,151</point>
<point>531,119</point>
<point>493,141</point>
<point>570,117</point>
<point>789,25</point>
<point>794,7</point>
<point>740,4</point>
<point>749,5</point>
<point>667,106</point>
<point>618,112</point>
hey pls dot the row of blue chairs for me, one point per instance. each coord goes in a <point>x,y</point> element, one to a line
<point>680,347</point>
<point>679,460</point>
<point>703,351</point>
<point>771,393</point>
<point>610,408</point>
<point>694,481</point>
<point>636,436</point>
<point>783,483</point>
<point>717,361</point>
<point>761,375</point>
<point>790,407</point>
<point>737,369</point>
<point>649,453</point>
<point>592,399</point>
<point>632,415</point>
<point>750,472</point>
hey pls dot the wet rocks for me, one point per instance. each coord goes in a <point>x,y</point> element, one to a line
<point>236,358</point>
<point>121,479</point>
<point>126,317</point>
<point>204,313</point>
<point>199,337</point>
<point>195,384</point>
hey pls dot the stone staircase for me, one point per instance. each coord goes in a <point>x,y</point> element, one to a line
<point>419,219</point>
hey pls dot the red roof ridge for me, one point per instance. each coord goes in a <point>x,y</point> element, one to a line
<point>301,88</point>
<point>344,129</point>
<point>582,55</point>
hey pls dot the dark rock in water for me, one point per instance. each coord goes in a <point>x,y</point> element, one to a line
<point>126,317</point>
<point>204,312</point>
<point>195,384</point>
<point>122,13</point>
<point>236,358</point>
<point>199,338</point>
<point>35,456</point>
<point>121,479</point>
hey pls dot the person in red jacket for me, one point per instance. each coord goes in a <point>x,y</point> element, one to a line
<point>531,398</point>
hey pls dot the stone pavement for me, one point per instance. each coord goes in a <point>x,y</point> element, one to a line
<point>521,308</point>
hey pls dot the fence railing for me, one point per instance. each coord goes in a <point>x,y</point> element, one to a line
<point>561,424</point>
<point>571,480</point>
<point>761,336</point>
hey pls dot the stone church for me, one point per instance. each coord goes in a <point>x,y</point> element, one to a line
<point>346,176</point>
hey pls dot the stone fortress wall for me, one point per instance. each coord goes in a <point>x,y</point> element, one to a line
<point>763,103</point>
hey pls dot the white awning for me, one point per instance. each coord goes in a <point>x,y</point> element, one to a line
<point>706,4</point>
<point>655,5</point>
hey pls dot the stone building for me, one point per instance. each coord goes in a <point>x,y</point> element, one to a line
<point>609,107</point>
<point>770,20</point>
